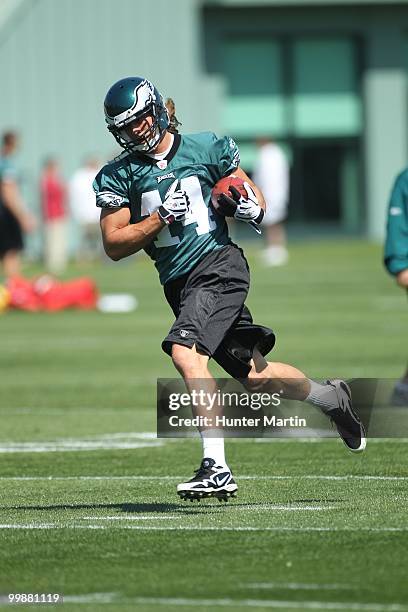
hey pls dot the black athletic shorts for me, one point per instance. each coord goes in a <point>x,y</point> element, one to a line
<point>11,236</point>
<point>208,303</point>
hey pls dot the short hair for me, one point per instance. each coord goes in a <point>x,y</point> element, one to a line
<point>9,138</point>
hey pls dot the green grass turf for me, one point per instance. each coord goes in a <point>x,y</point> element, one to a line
<point>300,538</point>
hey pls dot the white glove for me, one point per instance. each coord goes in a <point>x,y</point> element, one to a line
<point>248,209</point>
<point>242,208</point>
<point>176,204</point>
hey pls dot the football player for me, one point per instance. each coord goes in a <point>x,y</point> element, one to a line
<point>396,258</point>
<point>156,197</point>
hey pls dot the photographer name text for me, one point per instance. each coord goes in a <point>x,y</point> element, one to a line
<point>239,422</point>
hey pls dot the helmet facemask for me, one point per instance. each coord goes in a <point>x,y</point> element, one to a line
<point>144,142</point>
<point>154,107</point>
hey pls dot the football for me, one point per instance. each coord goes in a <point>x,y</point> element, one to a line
<point>222,186</point>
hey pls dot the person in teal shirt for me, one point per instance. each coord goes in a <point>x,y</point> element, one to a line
<point>396,257</point>
<point>156,196</point>
<point>15,219</point>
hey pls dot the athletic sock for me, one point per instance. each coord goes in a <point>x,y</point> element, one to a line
<point>402,385</point>
<point>322,396</point>
<point>213,448</point>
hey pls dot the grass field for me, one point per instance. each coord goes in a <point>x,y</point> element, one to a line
<point>88,506</point>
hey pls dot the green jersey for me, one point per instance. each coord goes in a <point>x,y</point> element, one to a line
<point>396,245</point>
<point>140,183</point>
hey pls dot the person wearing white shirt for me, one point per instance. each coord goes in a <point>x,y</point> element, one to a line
<point>83,209</point>
<point>271,174</point>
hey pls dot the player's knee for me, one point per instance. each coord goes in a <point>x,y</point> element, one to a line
<point>188,362</point>
<point>179,355</point>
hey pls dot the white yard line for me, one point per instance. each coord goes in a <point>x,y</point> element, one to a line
<point>78,446</point>
<point>240,508</point>
<point>299,586</point>
<point>114,441</point>
<point>326,438</point>
<point>247,477</point>
<point>145,435</point>
<point>93,598</point>
<point>112,598</point>
<point>280,507</point>
<point>29,526</point>
<point>134,440</point>
<point>165,517</point>
<point>206,528</point>
<point>59,448</point>
<point>323,477</point>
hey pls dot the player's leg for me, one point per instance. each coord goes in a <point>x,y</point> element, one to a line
<point>276,253</point>
<point>399,395</point>
<point>400,392</point>
<point>193,367</point>
<point>206,304</point>
<point>333,398</point>
<point>277,377</point>
<point>11,243</point>
<point>213,478</point>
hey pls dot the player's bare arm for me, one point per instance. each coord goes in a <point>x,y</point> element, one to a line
<point>10,196</point>
<point>120,238</point>
<point>402,278</point>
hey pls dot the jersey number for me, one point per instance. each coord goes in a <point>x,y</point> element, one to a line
<point>198,212</point>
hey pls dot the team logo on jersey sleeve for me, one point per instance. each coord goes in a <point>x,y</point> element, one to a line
<point>395,211</point>
<point>107,199</point>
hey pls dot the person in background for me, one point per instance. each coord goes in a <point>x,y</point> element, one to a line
<point>83,210</point>
<point>396,257</point>
<point>53,194</point>
<point>271,174</point>
<point>15,219</point>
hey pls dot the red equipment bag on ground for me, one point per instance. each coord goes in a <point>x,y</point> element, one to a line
<point>46,293</point>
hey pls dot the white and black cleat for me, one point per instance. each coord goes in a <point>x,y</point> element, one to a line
<point>349,426</point>
<point>210,480</point>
